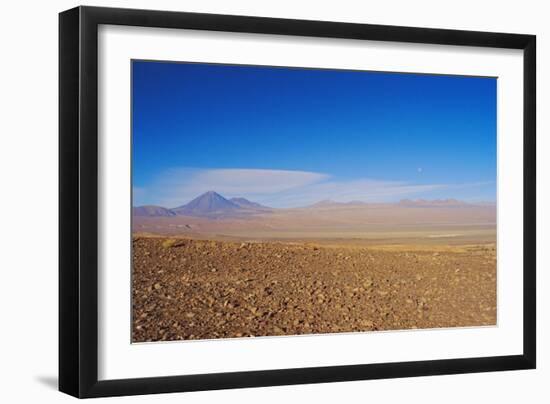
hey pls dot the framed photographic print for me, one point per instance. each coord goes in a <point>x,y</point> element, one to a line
<point>250,201</point>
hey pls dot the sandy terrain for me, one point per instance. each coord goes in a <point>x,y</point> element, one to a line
<point>186,288</point>
<point>390,222</point>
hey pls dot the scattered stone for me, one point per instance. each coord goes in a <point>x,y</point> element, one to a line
<point>366,323</point>
<point>367,283</point>
<point>168,243</point>
<point>286,289</point>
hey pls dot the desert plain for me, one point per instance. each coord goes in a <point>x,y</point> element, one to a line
<point>218,268</point>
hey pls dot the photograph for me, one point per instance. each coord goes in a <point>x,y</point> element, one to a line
<point>273,201</point>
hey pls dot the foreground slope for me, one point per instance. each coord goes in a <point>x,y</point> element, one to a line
<point>189,289</point>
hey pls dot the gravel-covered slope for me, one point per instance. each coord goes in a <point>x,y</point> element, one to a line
<point>190,289</point>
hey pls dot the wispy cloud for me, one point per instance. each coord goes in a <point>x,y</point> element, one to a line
<point>177,186</point>
<point>251,181</point>
<point>366,190</point>
<point>277,188</point>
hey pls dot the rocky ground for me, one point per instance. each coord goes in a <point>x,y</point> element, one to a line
<point>196,289</point>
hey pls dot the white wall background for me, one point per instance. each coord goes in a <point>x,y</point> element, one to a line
<point>28,202</point>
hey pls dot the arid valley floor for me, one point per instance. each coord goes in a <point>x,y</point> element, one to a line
<point>323,270</point>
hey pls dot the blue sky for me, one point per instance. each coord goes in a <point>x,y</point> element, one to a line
<point>289,137</point>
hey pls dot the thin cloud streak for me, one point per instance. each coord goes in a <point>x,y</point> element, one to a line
<point>179,185</point>
<point>276,188</point>
<point>365,190</point>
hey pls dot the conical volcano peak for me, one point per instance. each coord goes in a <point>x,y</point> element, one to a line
<point>209,203</point>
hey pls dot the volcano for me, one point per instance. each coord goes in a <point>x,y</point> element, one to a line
<point>208,204</point>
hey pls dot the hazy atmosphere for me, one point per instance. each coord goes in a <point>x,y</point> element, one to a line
<point>282,201</point>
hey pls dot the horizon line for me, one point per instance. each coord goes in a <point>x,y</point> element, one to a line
<point>332,201</point>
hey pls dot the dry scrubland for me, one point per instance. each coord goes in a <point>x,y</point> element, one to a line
<point>185,288</point>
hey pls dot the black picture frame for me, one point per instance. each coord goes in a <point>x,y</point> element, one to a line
<point>78,201</point>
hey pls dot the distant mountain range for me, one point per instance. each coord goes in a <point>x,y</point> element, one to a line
<point>152,210</point>
<point>209,204</point>
<point>213,205</point>
<point>410,203</point>
<point>245,203</point>
<point>432,203</point>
